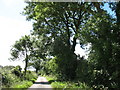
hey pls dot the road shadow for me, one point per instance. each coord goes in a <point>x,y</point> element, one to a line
<point>51,81</point>
<point>41,83</point>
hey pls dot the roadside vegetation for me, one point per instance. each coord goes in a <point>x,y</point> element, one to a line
<point>13,77</point>
<point>67,85</point>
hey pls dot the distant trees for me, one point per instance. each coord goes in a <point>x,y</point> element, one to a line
<point>9,67</point>
<point>35,63</point>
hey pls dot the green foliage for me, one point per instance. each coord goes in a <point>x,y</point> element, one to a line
<point>100,31</point>
<point>17,71</point>
<point>33,80</point>
<point>51,78</point>
<point>59,84</point>
<point>9,68</point>
<point>35,62</point>
<point>22,84</point>
<point>57,28</point>
<point>14,79</point>
<point>67,69</point>
<point>22,48</point>
<point>30,75</point>
<point>30,78</point>
<point>82,71</point>
<point>8,78</point>
<point>52,66</point>
<point>58,25</point>
<point>69,85</point>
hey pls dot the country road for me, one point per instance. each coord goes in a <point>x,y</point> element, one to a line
<point>41,84</point>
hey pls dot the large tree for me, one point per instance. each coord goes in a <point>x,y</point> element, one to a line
<point>61,23</point>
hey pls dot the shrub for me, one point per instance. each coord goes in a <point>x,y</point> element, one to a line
<point>9,79</point>
<point>23,84</point>
<point>33,80</point>
<point>67,85</point>
<point>30,75</point>
<point>17,71</point>
<point>14,78</point>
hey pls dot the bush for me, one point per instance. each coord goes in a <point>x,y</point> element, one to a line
<point>69,85</point>
<point>9,79</point>
<point>17,71</point>
<point>58,85</point>
<point>33,80</point>
<point>13,77</point>
<point>30,75</point>
<point>23,84</point>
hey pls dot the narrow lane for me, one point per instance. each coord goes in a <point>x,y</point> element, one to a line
<point>41,84</point>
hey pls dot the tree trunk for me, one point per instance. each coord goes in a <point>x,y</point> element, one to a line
<point>36,70</point>
<point>118,12</point>
<point>74,44</point>
<point>26,64</point>
<point>26,61</point>
<point>67,30</point>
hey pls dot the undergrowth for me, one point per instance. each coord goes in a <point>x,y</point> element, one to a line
<point>66,85</point>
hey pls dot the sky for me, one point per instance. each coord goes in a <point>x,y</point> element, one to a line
<point>13,25</point>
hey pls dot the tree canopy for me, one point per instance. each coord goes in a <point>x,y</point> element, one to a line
<point>59,27</point>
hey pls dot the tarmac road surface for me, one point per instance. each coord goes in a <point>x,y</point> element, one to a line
<point>40,84</point>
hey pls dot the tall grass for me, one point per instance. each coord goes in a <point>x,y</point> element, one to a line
<point>69,85</point>
<point>22,84</point>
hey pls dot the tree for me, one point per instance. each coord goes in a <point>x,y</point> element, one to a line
<point>102,32</point>
<point>61,24</point>
<point>39,52</point>
<point>21,50</point>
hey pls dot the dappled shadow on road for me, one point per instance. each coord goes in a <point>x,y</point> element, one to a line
<point>40,89</point>
<point>50,81</point>
<point>41,83</point>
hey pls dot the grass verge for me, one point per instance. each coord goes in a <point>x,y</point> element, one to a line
<point>22,84</point>
<point>67,85</point>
